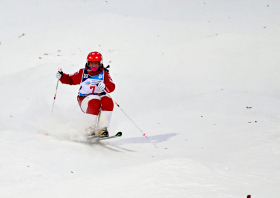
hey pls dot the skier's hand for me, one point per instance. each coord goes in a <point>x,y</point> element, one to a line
<point>101,85</point>
<point>59,74</point>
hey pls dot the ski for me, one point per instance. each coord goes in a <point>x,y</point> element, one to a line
<point>119,134</point>
<point>94,136</point>
<point>102,137</point>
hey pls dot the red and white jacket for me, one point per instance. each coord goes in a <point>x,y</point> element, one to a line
<point>88,81</point>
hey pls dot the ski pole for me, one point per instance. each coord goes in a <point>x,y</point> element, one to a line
<point>144,134</point>
<point>55,91</point>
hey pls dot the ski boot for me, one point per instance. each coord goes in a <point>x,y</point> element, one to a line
<point>104,132</point>
<point>90,131</point>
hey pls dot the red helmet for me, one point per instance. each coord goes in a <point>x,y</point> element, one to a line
<point>95,56</point>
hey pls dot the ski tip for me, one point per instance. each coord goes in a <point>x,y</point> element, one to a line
<point>119,134</point>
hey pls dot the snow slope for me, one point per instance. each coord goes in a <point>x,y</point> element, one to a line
<point>200,78</point>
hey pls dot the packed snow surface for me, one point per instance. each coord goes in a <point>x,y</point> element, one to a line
<point>200,78</point>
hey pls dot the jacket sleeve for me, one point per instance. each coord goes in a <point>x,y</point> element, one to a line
<point>72,79</point>
<point>110,86</point>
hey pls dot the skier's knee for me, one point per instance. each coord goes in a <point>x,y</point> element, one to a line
<point>107,104</point>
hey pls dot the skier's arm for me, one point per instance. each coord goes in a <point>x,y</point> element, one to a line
<point>110,86</point>
<point>72,79</point>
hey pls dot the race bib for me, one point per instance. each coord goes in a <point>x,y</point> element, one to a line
<point>89,83</point>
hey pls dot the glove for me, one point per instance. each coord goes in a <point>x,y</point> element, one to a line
<point>59,74</point>
<point>101,85</point>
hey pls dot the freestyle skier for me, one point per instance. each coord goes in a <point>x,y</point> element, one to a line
<point>94,81</point>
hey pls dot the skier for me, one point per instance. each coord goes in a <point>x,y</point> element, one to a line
<point>93,80</point>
